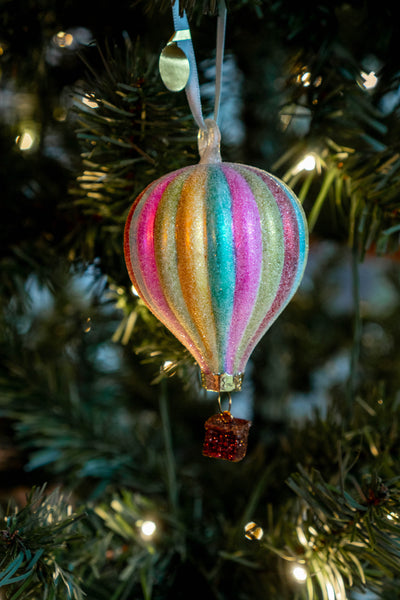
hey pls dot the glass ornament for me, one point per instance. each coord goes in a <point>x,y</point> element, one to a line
<point>216,251</point>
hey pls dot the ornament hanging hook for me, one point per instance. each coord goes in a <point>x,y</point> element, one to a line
<point>229,403</point>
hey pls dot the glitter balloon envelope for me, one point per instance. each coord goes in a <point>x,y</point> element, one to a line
<point>216,251</point>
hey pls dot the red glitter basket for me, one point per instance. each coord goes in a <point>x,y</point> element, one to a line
<point>226,437</point>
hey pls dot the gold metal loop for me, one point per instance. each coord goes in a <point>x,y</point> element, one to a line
<point>222,382</point>
<point>181,35</point>
<point>229,403</point>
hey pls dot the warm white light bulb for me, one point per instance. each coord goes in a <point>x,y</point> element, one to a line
<point>63,39</point>
<point>306,79</point>
<point>370,80</point>
<point>308,163</point>
<point>148,528</point>
<point>252,531</point>
<point>25,140</point>
<point>68,39</point>
<point>89,102</point>
<point>299,573</point>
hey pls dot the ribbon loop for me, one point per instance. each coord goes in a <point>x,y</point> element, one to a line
<point>178,63</point>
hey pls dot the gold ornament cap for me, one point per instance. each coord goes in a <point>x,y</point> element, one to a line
<point>222,382</point>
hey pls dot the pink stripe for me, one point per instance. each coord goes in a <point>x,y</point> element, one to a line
<point>128,242</point>
<point>247,237</point>
<point>285,292</point>
<point>148,272</point>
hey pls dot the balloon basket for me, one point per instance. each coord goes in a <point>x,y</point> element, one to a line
<point>226,437</point>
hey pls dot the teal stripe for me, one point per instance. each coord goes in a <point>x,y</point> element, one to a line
<point>220,256</point>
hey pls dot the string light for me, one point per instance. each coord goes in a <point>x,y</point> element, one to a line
<point>134,291</point>
<point>370,80</point>
<point>299,573</point>
<point>26,140</point>
<point>308,163</point>
<point>147,529</point>
<point>306,79</point>
<point>253,531</point>
<point>90,102</point>
<point>63,39</point>
<point>60,114</point>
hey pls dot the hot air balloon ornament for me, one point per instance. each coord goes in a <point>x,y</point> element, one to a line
<point>216,250</point>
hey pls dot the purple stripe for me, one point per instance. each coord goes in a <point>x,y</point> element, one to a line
<point>247,237</point>
<point>291,260</point>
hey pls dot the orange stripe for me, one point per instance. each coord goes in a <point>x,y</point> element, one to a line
<point>191,243</point>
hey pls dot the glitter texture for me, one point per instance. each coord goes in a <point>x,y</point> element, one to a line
<point>216,252</point>
<point>226,437</point>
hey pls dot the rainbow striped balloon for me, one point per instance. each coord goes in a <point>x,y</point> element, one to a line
<point>216,251</point>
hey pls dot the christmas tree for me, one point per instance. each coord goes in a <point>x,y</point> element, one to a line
<point>105,492</point>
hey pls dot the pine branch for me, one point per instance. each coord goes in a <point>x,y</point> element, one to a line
<point>63,408</point>
<point>35,548</point>
<point>131,133</point>
<point>198,7</point>
<point>345,540</point>
<point>142,557</point>
<point>354,144</point>
<point>148,338</point>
